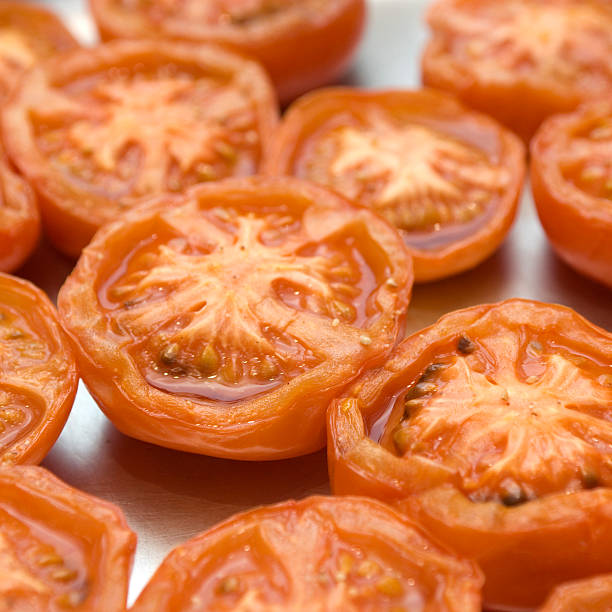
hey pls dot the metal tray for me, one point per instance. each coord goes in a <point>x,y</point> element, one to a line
<point>169,496</point>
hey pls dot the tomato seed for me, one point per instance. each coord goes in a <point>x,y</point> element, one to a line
<point>465,345</point>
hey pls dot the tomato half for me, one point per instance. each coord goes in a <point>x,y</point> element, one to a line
<point>571,177</point>
<point>493,429</point>
<point>521,60</point>
<point>589,595</point>
<point>449,179</point>
<point>223,322</point>
<point>28,33</point>
<point>318,554</point>
<point>38,375</point>
<point>19,217</point>
<point>98,129</point>
<point>302,43</point>
<point>60,549</point>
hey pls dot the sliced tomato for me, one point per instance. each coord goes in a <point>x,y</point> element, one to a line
<point>60,549</point>
<point>449,179</point>
<point>224,321</point>
<point>28,33</point>
<point>588,595</point>
<point>493,428</point>
<point>521,60</point>
<point>571,177</point>
<point>19,217</point>
<point>302,43</point>
<point>98,129</point>
<point>38,375</point>
<point>319,554</point>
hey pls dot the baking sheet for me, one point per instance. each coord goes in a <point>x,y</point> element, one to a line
<point>168,496</point>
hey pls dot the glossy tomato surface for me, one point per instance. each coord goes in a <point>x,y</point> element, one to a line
<point>60,549</point>
<point>98,129</point>
<point>319,554</point>
<point>28,34</point>
<point>520,60</point>
<point>38,376</point>
<point>571,177</point>
<point>19,217</point>
<point>302,43</point>
<point>223,321</point>
<point>492,428</point>
<point>588,595</point>
<point>447,178</point>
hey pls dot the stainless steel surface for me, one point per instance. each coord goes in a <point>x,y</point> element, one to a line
<point>169,496</point>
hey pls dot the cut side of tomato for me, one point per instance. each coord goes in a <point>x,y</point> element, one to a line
<point>19,217</point>
<point>60,549</point>
<point>303,44</point>
<point>99,129</point>
<point>322,553</point>
<point>28,34</point>
<point>38,375</point>
<point>521,60</point>
<point>447,178</point>
<point>492,427</point>
<point>571,176</point>
<point>224,321</point>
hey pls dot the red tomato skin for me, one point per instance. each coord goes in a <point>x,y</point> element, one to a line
<point>578,226</point>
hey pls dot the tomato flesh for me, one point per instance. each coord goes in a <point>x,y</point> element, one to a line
<point>38,377</point>
<point>316,554</point>
<point>230,300</point>
<point>105,127</point>
<point>59,549</point>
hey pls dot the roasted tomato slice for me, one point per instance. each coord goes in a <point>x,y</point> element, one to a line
<point>494,428</point>
<point>38,376</point>
<point>302,43</point>
<point>97,129</point>
<point>28,33</point>
<point>318,554</point>
<point>449,179</point>
<point>19,218</point>
<point>224,321</point>
<point>588,595</point>
<point>521,60</point>
<point>60,549</point>
<point>571,176</point>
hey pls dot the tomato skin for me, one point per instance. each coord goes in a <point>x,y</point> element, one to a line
<point>588,595</point>
<point>19,218</point>
<point>578,224</point>
<point>304,122</point>
<point>286,421</point>
<point>41,30</point>
<point>74,204</point>
<point>310,539</point>
<point>55,381</point>
<point>299,55</point>
<point>446,68</point>
<point>77,526</point>
<point>524,550</point>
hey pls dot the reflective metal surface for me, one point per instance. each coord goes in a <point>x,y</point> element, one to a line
<point>170,496</point>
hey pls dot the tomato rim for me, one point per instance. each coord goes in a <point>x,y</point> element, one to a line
<point>74,511</point>
<point>33,448</point>
<point>309,112</point>
<point>559,203</point>
<point>462,589</point>
<point>149,413</point>
<point>68,226</point>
